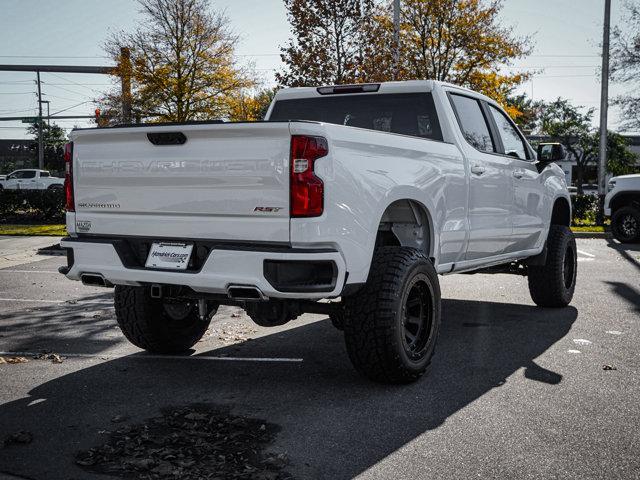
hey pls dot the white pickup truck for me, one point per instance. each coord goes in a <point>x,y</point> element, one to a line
<point>31,179</point>
<point>357,193</point>
<point>622,204</point>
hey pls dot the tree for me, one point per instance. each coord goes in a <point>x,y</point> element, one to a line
<point>53,139</point>
<point>568,125</point>
<point>327,42</point>
<point>460,41</point>
<point>625,65</point>
<point>248,107</point>
<point>351,41</point>
<point>524,111</point>
<point>182,65</point>
<point>620,160</point>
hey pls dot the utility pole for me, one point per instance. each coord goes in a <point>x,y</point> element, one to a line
<point>40,140</point>
<point>125,79</point>
<point>396,38</point>
<point>604,104</point>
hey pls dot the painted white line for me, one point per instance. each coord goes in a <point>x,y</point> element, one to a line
<point>582,259</point>
<point>29,271</point>
<point>586,254</point>
<point>573,351</point>
<point>150,356</point>
<point>582,341</point>
<point>74,302</point>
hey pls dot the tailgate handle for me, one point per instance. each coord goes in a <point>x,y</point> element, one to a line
<point>167,138</point>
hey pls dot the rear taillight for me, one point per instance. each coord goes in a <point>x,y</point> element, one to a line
<point>68,177</point>
<point>307,190</point>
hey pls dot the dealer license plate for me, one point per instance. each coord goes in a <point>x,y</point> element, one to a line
<point>170,256</point>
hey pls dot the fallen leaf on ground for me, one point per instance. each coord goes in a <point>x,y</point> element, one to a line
<point>608,367</point>
<point>13,360</point>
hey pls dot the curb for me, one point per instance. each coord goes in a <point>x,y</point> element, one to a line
<point>592,235</point>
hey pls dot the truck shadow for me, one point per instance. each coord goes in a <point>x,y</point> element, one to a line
<point>334,423</point>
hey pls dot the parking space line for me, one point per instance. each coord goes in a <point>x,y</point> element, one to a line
<point>586,254</point>
<point>72,302</point>
<point>161,357</point>
<point>29,271</point>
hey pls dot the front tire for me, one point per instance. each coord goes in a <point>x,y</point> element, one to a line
<point>391,325</point>
<point>553,284</point>
<point>157,325</point>
<point>625,225</point>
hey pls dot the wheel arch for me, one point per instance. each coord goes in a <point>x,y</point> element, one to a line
<point>407,222</point>
<point>622,199</point>
<point>561,212</point>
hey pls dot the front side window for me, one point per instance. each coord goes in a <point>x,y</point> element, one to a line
<point>404,113</point>
<point>511,140</point>
<point>473,123</point>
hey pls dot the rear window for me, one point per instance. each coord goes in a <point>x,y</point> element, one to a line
<point>405,113</point>
<point>44,174</point>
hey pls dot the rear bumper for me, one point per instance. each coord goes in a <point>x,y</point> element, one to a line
<point>223,267</point>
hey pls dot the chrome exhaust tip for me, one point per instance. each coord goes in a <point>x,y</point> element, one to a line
<point>246,293</point>
<point>94,280</point>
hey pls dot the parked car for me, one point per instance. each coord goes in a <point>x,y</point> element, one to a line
<point>622,204</point>
<point>359,193</point>
<point>589,189</point>
<point>31,179</point>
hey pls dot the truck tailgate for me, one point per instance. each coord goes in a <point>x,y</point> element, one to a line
<point>225,182</point>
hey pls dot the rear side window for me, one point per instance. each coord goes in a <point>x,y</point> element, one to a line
<point>511,139</point>
<point>406,113</point>
<point>472,122</point>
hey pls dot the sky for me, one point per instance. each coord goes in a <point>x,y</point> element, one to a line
<point>564,63</point>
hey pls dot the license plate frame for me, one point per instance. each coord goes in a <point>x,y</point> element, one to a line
<point>169,255</point>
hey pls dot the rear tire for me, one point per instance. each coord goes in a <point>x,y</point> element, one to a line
<point>625,225</point>
<point>157,325</point>
<point>391,325</point>
<point>553,284</point>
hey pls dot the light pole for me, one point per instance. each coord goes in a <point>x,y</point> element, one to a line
<point>604,104</point>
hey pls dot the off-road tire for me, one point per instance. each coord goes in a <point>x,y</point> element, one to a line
<point>553,284</point>
<point>619,228</point>
<point>147,324</point>
<point>375,318</point>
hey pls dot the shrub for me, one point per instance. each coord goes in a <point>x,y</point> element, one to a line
<point>585,208</point>
<point>30,206</point>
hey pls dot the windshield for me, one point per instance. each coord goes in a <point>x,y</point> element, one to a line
<point>404,113</point>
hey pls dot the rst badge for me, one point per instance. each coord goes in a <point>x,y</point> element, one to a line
<point>83,225</point>
<point>267,209</point>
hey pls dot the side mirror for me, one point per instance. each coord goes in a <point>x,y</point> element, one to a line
<point>550,152</point>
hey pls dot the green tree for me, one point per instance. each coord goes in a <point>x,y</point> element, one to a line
<point>326,43</point>
<point>568,125</point>
<point>625,65</point>
<point>182,63</point>
<point>620,160</point>
<point>527,111</point>
<point>53,139</point>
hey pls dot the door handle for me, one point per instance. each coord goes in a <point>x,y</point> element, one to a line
<point>518,173</point>
<point>477,169</point>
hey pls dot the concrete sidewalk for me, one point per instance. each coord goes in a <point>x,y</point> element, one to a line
<point>18,250</point>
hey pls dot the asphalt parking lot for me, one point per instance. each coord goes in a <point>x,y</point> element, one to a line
<point>515,391</point>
